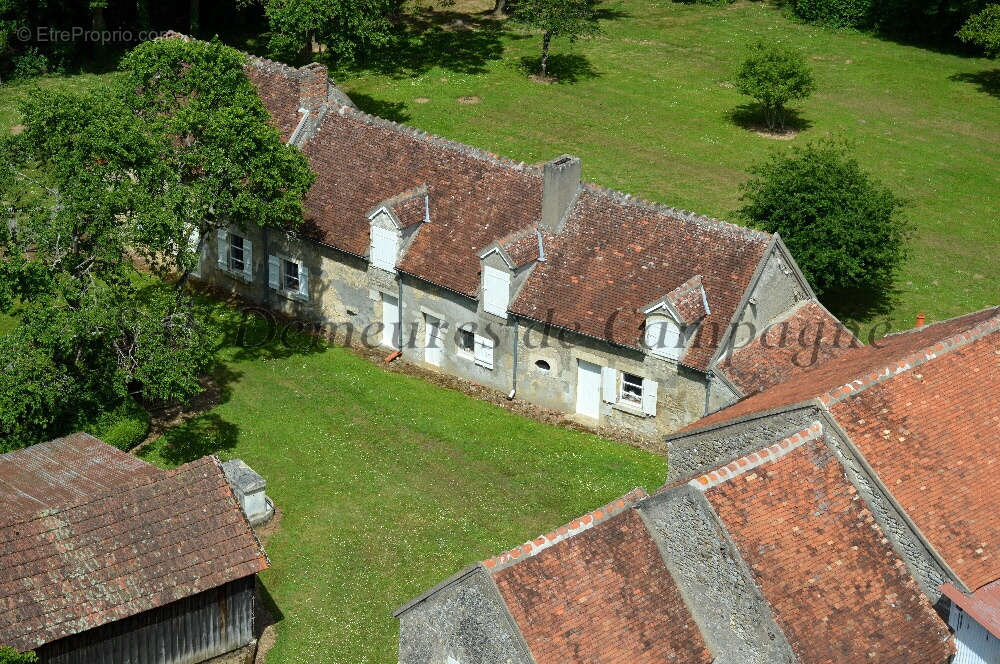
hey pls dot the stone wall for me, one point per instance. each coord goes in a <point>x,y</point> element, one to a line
<point>718,588</point>
<point>463,618</point>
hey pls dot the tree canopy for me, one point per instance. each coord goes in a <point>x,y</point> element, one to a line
<point>774,75</point>
<point>11,656</point>
<point>983,30</point>
<point>346,28</point>
<point>558,18</point>
<point>143,171</point>
<point>843,227</point>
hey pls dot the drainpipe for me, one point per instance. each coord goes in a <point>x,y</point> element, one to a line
<point>708,391</point>
<point>513,381</point>
<point>267,262</point>
<point>399,278</point>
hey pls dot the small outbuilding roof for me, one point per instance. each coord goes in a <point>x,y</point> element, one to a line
<point>152,539</point>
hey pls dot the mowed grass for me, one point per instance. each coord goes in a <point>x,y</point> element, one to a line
<point>649,107</point>
<point>387,485</point>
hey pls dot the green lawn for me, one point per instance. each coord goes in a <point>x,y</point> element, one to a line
<point>388,485</point>
<point>650,113</point>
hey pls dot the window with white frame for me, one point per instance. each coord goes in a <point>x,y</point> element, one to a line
<point>288,276</point>
<point>631,388</point>
<point>629,392</point>
<point>496,291</point>
<point>235,254</point>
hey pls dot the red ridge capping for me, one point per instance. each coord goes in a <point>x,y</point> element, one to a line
<point>585,522</point>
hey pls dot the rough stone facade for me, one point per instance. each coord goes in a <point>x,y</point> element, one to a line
<point>463,619</point>
<point>716,584</point>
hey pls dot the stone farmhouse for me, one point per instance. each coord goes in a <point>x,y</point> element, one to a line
<point>521,278</point>
<point>845,515</point>
<point>105,558</point>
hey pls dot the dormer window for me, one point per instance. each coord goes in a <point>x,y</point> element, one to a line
<point>384,248</point>
<point>663,337</point>
<point>496,291</point>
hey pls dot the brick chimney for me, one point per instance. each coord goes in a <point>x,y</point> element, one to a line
<point>561,182</point>
<point>314,82</point>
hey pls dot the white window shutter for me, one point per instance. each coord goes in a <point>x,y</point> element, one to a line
<point>496,291</point>
<point>663,338</point>
<point>193,245</point>
<point>484,352</point>
<point>248,258</point>
<point>384,247</point>
<point>223,257</point>
<point>609,384</point>
<point>303,282</point>
<point>649,396</point>
<point>273,272</point>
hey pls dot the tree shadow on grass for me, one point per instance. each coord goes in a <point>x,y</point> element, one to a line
<point>562,67</point>
<point>457,42</point>
<point>389,110</point>
<point>751,118</point>
<point>862,305</point>
<point>987,80</point>
<point>208,434</point>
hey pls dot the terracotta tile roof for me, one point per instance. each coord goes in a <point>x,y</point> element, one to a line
<point>410,207</point>
<point>162,538</point>
<point>523,247</point>
<point>690,301</point>
<point>835,379</point>
<point>932,434</point>
<point>62,472</point>
<point>475,198</point>
<point>804,338</point>
<point>617,255</point>
<point>983,605</point>
<point>603,596</point>
<point>838,590</point>
<point>278,86</point>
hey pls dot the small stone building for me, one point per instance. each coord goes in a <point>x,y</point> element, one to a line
<point>846,514</point>
<point>523,278</point>
<point>105,558</point>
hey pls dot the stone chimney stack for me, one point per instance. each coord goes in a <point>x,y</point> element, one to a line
<point>561,185</point>
<point>314,82</point>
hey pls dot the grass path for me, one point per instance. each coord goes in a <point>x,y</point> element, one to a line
<point>387,485</point>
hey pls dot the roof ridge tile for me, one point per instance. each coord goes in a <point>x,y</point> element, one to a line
<point>564,532</point>
<point>762,456</point>
<point>922,356</point>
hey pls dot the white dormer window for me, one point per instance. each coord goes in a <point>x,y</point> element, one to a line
<point>384,248</point>
<point>663,337</point>
<point>496,291</point>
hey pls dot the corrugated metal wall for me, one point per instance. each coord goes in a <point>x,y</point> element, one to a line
<point>186,632</point>
<point>973,644</point>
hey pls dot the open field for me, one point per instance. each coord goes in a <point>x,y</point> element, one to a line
<point>650,107</point>
<point>387,485</point>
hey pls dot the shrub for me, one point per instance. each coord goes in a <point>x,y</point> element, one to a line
<point>27,65</point>
<point>839,13</point>
<point>774,75</point>
<point>124,427</point>
<point>11,656</point>
<point>983,30</point>
<point>842,226</point>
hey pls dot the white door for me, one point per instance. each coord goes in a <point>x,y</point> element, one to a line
<point>973,644</point>
<point>433,340</point>
<point>390,321</point>
<point>588,389</point>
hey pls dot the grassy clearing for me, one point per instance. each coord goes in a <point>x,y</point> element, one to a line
<point>387,485</point>
<point>650,107</point>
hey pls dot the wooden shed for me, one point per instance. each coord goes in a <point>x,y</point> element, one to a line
<point>105,558</point>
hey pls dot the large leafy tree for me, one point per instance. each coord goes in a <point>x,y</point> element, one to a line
<point>11,656</point>
<point>145,170</point>
<point>558,18</point>
<point>348,29</point>
<point>774,75</point>
<point>842,226</point>
<point>983,30</point>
